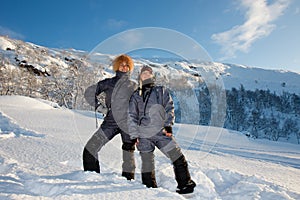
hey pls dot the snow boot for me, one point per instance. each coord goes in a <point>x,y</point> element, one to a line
<point>148,179</point>
<point>128,166</point>
<point>90,163</point>
<point>129,176</point>
<point>182,175</point>
<point>188,188</point>
<point>148,171</point>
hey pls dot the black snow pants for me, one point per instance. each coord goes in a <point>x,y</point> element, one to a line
<point>103,135</point>
<point>180,166</point>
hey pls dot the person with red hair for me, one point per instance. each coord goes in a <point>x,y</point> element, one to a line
<point>118,90</point>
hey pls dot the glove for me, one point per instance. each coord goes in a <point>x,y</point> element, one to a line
<point>97,104</point>
<point>101,109</point>
<point>135,141</point>
<point>168,131</point>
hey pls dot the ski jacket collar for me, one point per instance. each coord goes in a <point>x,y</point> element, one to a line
<point>120,74</point>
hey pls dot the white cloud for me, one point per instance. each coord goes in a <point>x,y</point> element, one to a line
<point>132,39</point>
<point>259,17</point>
<point>116,24</point>
<point>8,32</point>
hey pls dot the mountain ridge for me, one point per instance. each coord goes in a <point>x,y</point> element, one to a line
<point>40,60</point>
<point>262,103</point>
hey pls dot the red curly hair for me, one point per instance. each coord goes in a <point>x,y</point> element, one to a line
<point>120,59</point>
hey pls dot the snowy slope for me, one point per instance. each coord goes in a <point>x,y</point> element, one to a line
<point>40,158</point>
<point>258,78</point>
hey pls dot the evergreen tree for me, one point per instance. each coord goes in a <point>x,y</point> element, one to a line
<point>289,127</point>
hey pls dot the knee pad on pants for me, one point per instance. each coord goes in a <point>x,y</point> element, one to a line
<point>148,164</point>
<point>174,154</point>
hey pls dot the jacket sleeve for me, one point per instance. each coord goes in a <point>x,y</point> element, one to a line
<point>133,118</point>
<point>169,108</point>
<point>89,95</point>
<point>101,86</point>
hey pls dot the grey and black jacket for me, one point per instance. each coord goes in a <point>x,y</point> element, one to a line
<point>151,109</point>
<point>108,85</point>
<point>118,91</point>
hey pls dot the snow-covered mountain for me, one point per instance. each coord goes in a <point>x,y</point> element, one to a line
<point>43,61</point>
<point>41,158</point>
<point>263,103</point>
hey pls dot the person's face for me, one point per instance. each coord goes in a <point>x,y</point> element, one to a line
<point>124,67</point>
<point>146,75</point>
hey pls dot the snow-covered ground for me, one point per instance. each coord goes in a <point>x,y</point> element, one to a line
<point>40,158</point>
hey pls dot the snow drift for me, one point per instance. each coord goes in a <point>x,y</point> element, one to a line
<point>40,158</point>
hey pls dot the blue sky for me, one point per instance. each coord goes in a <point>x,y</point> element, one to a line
<point>259,33</point>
